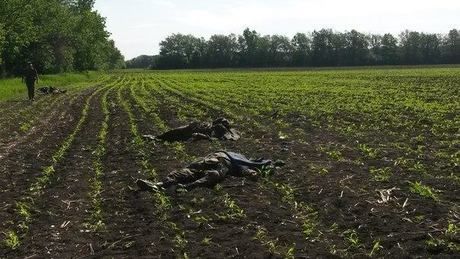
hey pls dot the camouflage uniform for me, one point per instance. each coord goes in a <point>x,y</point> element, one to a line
<point>219,129</point>
<point>30,77</point>
<point>206,172</point>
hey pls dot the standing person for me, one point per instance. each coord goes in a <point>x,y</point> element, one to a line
<point>30,77</point>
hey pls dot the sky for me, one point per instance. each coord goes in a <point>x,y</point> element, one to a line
<point>138,26</point>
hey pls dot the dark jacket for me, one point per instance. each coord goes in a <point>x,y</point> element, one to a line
<point>30,75</point>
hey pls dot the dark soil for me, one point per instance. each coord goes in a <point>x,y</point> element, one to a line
<point>344,200</point>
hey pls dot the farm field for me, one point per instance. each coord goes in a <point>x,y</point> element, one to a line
<point>372,166</point>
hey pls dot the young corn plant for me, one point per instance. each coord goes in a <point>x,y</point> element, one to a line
<point>96,220</point>
<point>36,189</point>
<point>423,190</point>
<point>160,199</point>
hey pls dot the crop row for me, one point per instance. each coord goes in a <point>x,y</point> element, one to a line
<point>96,218</point>
<point>25,206</point>
<point>232,95</point>
<point>347,119</point>
<point>192,111</point>
<point>160,199</point>
<point>230,100</point>
<point>232,211</point>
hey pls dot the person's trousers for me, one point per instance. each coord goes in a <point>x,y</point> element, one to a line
<point>31,90</point>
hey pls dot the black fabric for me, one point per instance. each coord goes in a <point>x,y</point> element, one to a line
<point>185,133</point>
<point>30,75</point>
<point>31,89</point>
<point>241,160</point>
<point>219,129</point>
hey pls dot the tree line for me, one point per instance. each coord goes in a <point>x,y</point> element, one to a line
<point>319,48</point>
<point>56,35</point>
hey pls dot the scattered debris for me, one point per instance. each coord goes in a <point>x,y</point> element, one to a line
<point>385,194</point>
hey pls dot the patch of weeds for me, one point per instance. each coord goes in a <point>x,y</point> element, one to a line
<point>335,154</point>
<point>23,210</point>
<point>375,248</point>
<point>266,171</point>
<point>232,210</point>
<point>334,227</point>
<point>418,167</point>
<point>11,240</point>
<point>381,174</point>
<point>206,241</point>
<point>26,126</point>
<point>200,219</point>
<point>273,245</point>
<point>368,151</point>
<point>452,230</point>
<point>419,218</point>
<point>319,170</point>
<point>308,228</point>
<point>304,213</point>
<point>423,190</point>
<point>436,245</point>
<point>353,239</point>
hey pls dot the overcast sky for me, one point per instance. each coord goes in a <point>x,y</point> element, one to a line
<point>138,26</point>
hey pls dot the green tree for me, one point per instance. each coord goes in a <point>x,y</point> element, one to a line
<point>323,48</point>
<point>56,35</point>
<point>248,44</point>
<point>375,49</point>
<point>181,51</point>
<point>410,47</point>
<point>280,51</point>
<point>301,50</point>
<point>430,48</point>
<point>389,50</point>
<point>451,47</point>
<point>356,48</point>
<point>2,41</point>
<point>222,51</point>
<point>142,61</point>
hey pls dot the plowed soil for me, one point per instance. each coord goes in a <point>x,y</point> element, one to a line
<point>346,215</point>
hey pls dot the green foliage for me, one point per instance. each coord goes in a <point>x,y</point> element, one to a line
<point>353,239</point>
<point>11,240</point>
<point>57,36</point>
<point>381,174</point>
<point>274,246</point>
<point>422,190</point>
<point>322,48</point>
<point>14,89</point>
<point>376,248</point>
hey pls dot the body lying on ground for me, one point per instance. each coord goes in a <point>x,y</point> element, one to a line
<point>209,171</point>
<point>51,90</point>
<point>218,129</point>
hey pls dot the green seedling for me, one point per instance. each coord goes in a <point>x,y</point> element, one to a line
<point>375,248</point>
<point>368,151</point>
<point>206,241</point>
<point>422,190</point>
<point>353,239</point>
<point>23,210</point>
<point>381,174</point>
<point>11,240</point>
